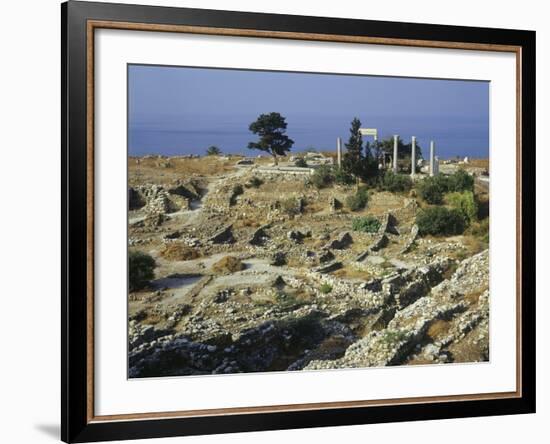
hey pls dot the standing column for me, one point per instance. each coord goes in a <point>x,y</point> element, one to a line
<point>413,156</point>
<point>395,153</point>
<point>432,154</point>
<point>339,151</point>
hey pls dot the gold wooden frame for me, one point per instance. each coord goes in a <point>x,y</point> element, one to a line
<point>92,25</point>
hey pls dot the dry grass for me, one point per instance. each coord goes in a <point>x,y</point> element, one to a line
<point>419,361</point>
<point>179,252</point>
<point>249,220</point>
<point>473,244</point>
<point>352,273</point>
<point>438,329</point>
<point>151,169</point>
<point>315,207</point>
<point>248,223</point>
<point>479,163</point>
<point>331,344</point>
<point>469,350</point>
<point>473,297</point>
<point>228,264</point>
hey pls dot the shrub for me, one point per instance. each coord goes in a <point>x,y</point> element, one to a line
<point>254,182</point>
<point>238,190</point>
<point>440,221</point>
<point>396,183</point>
<point>358,201</point>
<point>393,337</point>
<point>431,189</point>
<point>141,269</point>
<point>322,177</point>
<point>325,288</point>
<point>228,264</point>
<point>179,252</point>
<point>368,224</point>
<point>343,178</point>
<point>460,181</point>
<point>466,203</point>
<point>300,162</point>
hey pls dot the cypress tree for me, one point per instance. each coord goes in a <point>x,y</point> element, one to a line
<point>352,162</point>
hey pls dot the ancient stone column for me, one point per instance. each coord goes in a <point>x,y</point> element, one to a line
<point>432,153</point>
<point>413,156</point>
<point>339,151</point>
<point>395,153</point>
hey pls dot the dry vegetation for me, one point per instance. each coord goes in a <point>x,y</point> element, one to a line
<point>179,252</point>
<point>228,264</point>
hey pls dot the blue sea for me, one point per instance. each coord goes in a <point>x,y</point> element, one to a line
<point>454,136</point>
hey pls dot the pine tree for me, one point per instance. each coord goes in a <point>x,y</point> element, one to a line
<point>271,129</point>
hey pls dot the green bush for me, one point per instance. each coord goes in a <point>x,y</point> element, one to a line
<point>440,221</point>
<point>466,203</point>
<point>141,269</point>
<point>396,183</point>
<point>322,177</point>
<point>460,181</point>
<point>343,178</point>
<point>300,162</point>
<point>368,224</point>
<point>359,200</point>
<point>431,189</point>
<point>325,288</point>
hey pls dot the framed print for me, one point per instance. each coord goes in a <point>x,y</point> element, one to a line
<point>275,221</point>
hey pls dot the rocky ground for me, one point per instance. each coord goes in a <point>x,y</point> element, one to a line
<point>260,271</point>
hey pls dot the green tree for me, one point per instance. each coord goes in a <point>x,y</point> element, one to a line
<point>352,162</point>
<point>370,162</point>
<point>271,129</point>
<point>141,269</point>
<point>213,151</point>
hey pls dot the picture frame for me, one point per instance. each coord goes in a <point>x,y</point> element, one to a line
<point>80,21</point>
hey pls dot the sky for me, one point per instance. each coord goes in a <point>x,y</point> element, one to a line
<point>181,110</point>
